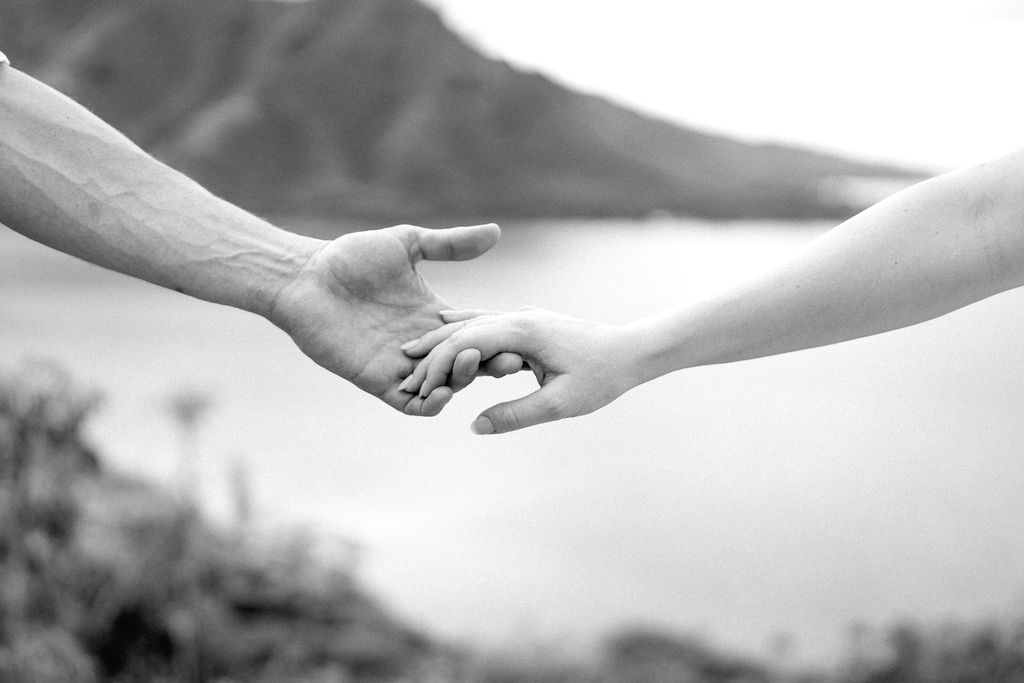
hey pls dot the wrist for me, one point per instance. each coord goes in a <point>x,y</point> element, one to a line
<point>657,347</point>
<point>286,262</point>
<point>637,348</point>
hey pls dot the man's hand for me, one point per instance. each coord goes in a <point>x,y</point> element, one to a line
<point>359,297</point>
<point>69,180</point>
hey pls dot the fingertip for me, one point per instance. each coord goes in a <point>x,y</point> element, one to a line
<point>412,406</point>
<point>490,227</point>
<point>436,401</point>
<point>415,351</point>
<point>464,370</point>
<point>482,425</point>
<point>472,362</point>
<point>435,379</point>
<point>505,363</point>
<point>489,234</point>
<point>509,363</point>
<point>414,381</point>
<point>462,314</point>
<point>453,244</point>
<point>426,388</point>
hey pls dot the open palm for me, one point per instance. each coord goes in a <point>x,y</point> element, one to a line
<point>360,297</point>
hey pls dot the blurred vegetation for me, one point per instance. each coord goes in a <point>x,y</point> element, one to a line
<point>107,578</point>
<point>103,577</point>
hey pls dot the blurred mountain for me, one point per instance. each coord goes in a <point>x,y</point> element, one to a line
<point>376,108</point>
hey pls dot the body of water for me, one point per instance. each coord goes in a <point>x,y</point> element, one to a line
<point>871,481</point>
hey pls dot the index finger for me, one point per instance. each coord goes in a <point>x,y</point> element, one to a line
<point>490,339</point>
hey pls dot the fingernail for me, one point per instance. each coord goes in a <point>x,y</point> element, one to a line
<point>409,344</point>
<point>405,383</point>
<point>482,425</point>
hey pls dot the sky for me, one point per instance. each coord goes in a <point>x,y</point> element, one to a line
<point>924,82</point>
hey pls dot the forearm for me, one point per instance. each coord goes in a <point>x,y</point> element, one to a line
<point>70,181</point>
<point>933,248</point>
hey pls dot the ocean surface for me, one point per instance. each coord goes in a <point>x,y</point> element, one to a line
<point>753,503</point>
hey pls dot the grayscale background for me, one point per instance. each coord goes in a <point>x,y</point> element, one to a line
<point>841,511</point>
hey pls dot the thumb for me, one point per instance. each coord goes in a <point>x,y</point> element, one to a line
<point>532,409</point>
<point>456,244</point>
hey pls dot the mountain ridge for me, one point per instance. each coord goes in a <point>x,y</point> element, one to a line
<point>375,108</point>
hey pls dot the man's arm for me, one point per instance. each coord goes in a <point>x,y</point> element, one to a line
<point>72,182</point>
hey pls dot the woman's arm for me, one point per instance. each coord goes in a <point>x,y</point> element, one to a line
<point>928,250</point>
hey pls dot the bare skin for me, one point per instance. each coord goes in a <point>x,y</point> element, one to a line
<point>70,181</point>
<point>933,248</point>
<point>360,295</point>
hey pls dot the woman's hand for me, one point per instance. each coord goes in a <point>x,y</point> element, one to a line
<point>580,366</point>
